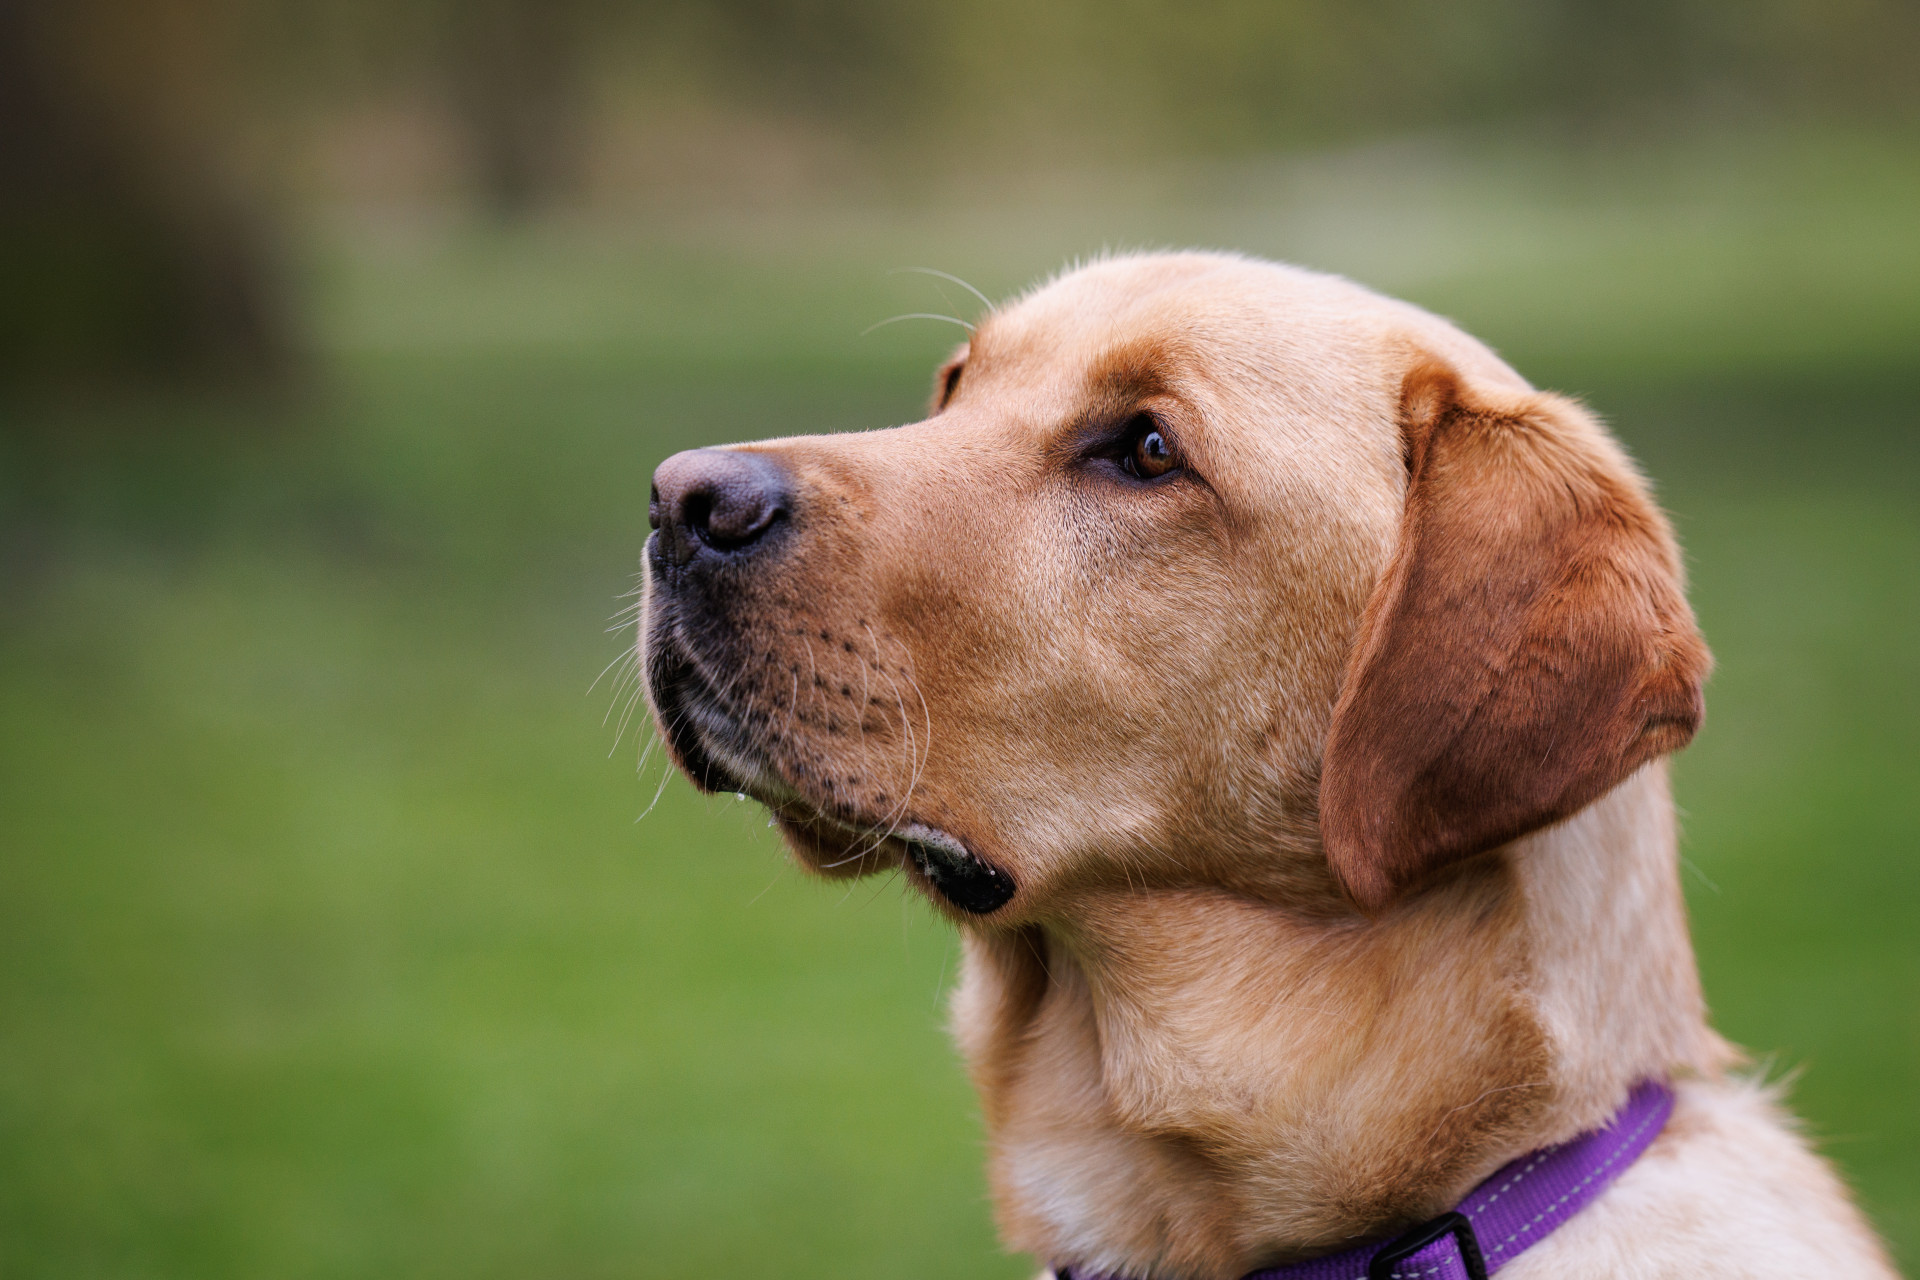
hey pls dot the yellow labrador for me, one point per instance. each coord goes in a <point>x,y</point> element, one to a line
<point>1274,688</point>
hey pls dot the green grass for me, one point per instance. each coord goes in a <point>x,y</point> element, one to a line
<point>332,946</point>
<point>333,949</point>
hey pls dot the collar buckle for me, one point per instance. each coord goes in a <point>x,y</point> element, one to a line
<point>1402,1247</point>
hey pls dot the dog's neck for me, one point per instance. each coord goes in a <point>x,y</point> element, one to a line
<point>1198,1084</point>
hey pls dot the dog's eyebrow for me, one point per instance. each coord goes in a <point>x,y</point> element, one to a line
<point>1119,382</point>
<point>1134,370</point>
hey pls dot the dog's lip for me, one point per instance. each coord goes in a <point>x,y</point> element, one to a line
<point>729,761</point>
<point>684,713</point>
<point>954,871</point>
<point>937,860</point>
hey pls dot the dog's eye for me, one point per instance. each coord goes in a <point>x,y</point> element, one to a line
<point>1148,454</point>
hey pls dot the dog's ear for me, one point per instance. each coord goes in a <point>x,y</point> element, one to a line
<point>1529,646</point>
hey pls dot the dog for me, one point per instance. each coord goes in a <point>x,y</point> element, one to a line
<point>1275,689</point>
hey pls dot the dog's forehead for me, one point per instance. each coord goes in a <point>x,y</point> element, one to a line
<point>1269,361</point>
<point>1077,321</point>
<point>1311,337</point>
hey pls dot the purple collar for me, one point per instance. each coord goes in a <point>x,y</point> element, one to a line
<point>1502,1217</point>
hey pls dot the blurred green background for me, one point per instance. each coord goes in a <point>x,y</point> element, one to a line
<point>338,341</point>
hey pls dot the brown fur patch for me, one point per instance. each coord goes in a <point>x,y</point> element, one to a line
<point>1528,647</point>
<point>1136,370</point>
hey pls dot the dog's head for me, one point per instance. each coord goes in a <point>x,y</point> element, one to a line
<point>1201,571</point>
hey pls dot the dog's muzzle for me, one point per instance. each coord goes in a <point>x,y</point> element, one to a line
<point>713,511</point>
<point>724,530</point>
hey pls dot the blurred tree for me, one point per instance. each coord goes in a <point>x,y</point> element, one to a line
<point>1038,79</point>
<point>124,248</point>
<point>515,67</point>
<point>132,240</point>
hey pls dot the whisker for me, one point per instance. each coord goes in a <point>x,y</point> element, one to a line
<point>666,776</point>
<point>626,717</point>
<point>939,987</point>
<point>813,681</point>
<point>616,691</point>
<point>890,823</point>
<point>926,742</point>
<point>769,889</point>
<point>619,658</point>
<point>930,271</point>
<point>917,315</point>
<point>879,888</point>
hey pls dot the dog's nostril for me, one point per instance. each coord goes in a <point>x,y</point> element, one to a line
<point>653,506</point>
<point>695,509</point>
<point>735,516</point>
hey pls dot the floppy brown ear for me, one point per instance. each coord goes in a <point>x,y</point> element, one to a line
<point>1529,646</point>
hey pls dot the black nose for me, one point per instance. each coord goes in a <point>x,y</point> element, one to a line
<point>716,499</point>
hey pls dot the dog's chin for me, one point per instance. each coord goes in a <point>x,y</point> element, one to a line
<point>719,754</point>
<point>829,846</point>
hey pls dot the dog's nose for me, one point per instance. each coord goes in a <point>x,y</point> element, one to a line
<point>716,499</point>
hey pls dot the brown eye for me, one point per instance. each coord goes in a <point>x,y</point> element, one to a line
<point>1151,455</point>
